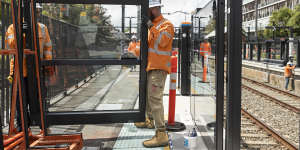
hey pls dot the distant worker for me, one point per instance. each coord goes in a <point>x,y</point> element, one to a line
<point>160,38</point>
<point>205,51</point>
<point>288,74</point>
<point>132,48</point>
<point>45,53</point>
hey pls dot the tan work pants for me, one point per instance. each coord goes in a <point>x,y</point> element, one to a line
<point>154,102</point>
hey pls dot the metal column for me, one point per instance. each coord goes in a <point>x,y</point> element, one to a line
<point>298,54</point>
<point>179,57</point>
<point>259,47</point>
<point>268,49</point>
<point>1,135</point>
<point>251,51</point>
<point>282,49</point>
<point>185,60</point>
<point>233,119</point>
<point>220,22</point>
<point>286,57</point>
<point>244,50</point>
<point>123,18</point>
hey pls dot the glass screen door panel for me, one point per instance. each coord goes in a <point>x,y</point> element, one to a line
<point>93,77</point>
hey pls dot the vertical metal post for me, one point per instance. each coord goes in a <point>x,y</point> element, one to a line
<point>130,27</point>
<point>123,18</point>
<point>268,49</point>
<point>287,51</point>
<point>259,47</point>
<point>185,61</point>
<point>1,136</point>
<point>3,25</point>
<point>220,22</point>
<point>251,51</point>
<point>256,16</point>
<point>179,57</point>
<point>282,49</point>
<point>199,29</point>
<point>8,93</point>
<point>298,54</point>
<point>233,111</point>
<point>19,56</point>
<point>245,50</point>
<point>144,58</point>
<point>2,102</point>
<point>291,42</point>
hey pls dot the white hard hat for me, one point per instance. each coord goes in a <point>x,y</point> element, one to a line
<point>154,3</point>
<point>38,5</point>
<point>289,63</point>
<point>133,37</point>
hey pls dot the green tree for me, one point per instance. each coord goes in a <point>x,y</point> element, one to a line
<point>279,18</point>
<point>295,20</point>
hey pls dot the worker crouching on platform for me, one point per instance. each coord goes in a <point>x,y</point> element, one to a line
<point>160,38</point>
<point>45,53</point>
<point>288,74</point>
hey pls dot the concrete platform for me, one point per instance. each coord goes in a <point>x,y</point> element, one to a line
<point>117,89</point>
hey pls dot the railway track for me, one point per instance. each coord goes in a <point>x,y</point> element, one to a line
<point>283,98</point>
<point>259,133</point>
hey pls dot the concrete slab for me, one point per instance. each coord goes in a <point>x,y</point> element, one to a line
<point>109,107</point>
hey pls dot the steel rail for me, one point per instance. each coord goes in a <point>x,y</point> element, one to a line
<point>272,99</point>
<point>269,130</point>
<point>272,88</point>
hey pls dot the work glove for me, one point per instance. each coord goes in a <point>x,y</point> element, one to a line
<point>10,79</point>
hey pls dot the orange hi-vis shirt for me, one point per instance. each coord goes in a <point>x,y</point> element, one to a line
<point>134,48</point>
<point>205,48</point>
<point>288,70</point>
<point>160,38</point>
<point>44,40</point>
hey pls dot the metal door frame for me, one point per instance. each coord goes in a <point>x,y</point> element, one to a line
<point>113,116</point>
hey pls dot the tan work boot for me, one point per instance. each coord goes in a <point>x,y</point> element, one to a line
<point>160,139</point>
<point>149,123</point>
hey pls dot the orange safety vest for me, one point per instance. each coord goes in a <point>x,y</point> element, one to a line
<point>288,70</point>
<point>45,46</point>
<point>205,48</point>
<point>134,48</point>
<point>160,38</point>
<point>136,51</point>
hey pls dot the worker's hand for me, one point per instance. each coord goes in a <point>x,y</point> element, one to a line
<point>148,21</point>
<point>10,79</point>
<point>149,24</point>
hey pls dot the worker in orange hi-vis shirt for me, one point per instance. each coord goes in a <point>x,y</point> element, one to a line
<point>134,47</point>
<point>205,51</point>
<point>45,47</point>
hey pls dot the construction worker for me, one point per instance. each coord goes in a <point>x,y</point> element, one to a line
<point>160,38</point>
<point>205,51</point>
<point>133,45</point>
<point>288,73</point>
<point>45,53</point>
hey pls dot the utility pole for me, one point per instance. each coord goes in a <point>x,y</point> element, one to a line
<point>130,25</point>
<point>123,18</point>
<point>256,16</point>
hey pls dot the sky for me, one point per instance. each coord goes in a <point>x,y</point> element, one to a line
<point>169,7</point>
